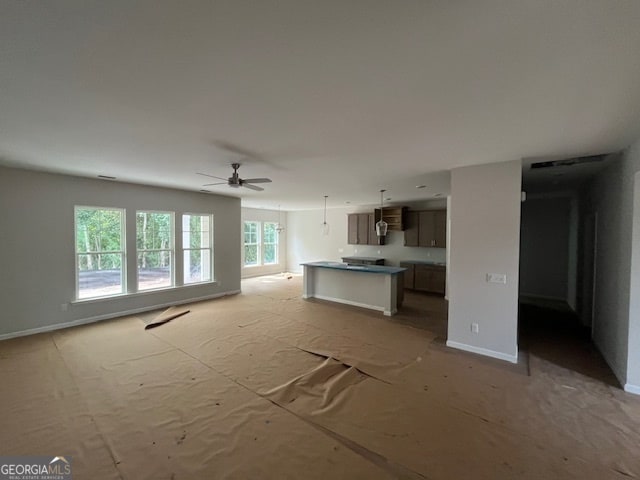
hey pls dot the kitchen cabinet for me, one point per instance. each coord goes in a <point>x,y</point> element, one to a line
<point>394,216</point>
<point>408,275</point>
<point>425,277</point>
<point>426,228</point>
<point>361,229</point>
<point>411,230</point>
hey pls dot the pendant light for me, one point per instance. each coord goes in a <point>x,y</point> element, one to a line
<point>325,225</point>
<point>381,225</point>
<point>279,228</point>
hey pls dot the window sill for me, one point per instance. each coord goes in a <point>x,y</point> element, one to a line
<point>81,301</point>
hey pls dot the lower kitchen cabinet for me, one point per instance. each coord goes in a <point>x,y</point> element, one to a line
<point>425,277</point>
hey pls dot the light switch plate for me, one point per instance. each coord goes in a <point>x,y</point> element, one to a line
<point>497,277</point>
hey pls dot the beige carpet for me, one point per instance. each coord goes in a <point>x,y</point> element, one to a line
<point>267,385</point>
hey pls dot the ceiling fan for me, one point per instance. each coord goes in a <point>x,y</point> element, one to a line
<point>235,181</point>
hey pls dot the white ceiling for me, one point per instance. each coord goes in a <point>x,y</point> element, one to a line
<point>335,97</point>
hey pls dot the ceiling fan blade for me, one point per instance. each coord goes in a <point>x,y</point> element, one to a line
<point>252,187</point>
<point>235,149</point>
<point>211,176</point>
<point>211,184</point>
<point>257,180</point>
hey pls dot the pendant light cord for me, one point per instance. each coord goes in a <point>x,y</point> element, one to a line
<point>325,208</point>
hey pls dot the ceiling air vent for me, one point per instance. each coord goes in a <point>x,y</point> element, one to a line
<point>569,162</point>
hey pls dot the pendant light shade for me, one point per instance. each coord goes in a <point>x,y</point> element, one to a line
<point>381,225</point>
<point>324,229</point>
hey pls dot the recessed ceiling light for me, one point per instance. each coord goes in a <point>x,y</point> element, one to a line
<point>205,191</point>
<point>388,198</point>
<point>438,195</point>
<point>106,177</point>
<point>421,186</point>
<point>348,202</point>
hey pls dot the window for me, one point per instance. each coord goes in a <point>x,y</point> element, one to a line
<point>270,244</point>
<point>260,243</point>
<point>100,261</point>
<point>154,242</point>
<point>197,247</point>
<point>251,243</point>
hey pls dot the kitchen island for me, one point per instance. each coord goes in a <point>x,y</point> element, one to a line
<point>369,286</point>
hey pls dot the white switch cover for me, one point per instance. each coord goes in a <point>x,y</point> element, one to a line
<point>340,250</point>
<point>475,328</point>
<point>497,277</point>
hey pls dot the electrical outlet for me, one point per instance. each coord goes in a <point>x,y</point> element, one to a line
<point>496,277</point>
<point>378,252</point>
<point>355,250</point>
<point>474,328</point>
<point>64,307</point>
<point>340,250</point>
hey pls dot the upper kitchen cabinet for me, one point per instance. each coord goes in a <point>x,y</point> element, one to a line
<point>394,216</point>
<point>426,229</point>
<point>361,229</point>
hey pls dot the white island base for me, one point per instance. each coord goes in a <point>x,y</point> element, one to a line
<point>368,286</point>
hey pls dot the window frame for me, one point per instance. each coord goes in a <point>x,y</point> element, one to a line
<point>122,252</point>
<point>189,249</point>
<point>172,252</point>
<point>258,244</point>
<point>276,244</point>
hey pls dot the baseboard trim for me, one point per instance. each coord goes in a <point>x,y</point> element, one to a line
<point>350,302</point>
<point>630,388</point>
<point>98,318</point>
<point>483,351</point>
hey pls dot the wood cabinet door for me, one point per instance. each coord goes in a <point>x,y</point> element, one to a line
<point>422,277</point>
<point>363,228</point>
<point>430,278</point>
<point>352,229</point>
<point>411,230</point>
<point>408,274</point>
<point>440,228</point>
<point>426,229</point>
<point>373,238</point>
<point>438,280</point>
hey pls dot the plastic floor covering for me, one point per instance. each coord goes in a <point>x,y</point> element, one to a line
<point>265,385</point>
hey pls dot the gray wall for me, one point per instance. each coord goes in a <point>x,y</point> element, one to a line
<point>616,319</point>
<point>37,240</point>
<point>305,242</point>
<point>544,248</point>
<point>485,238</point>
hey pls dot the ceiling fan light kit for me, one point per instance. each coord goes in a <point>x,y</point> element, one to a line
<point>235,181</point>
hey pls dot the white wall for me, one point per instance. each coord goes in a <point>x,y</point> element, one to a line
<point>306,243</point>
<point>616,321</point>
<point>632,383</point>
<point>261,215</point>
<point>485,238</point>
<point>37,239</point>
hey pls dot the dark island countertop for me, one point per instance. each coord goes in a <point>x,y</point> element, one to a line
<point>356,268</point>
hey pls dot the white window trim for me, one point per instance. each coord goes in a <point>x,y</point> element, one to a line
<point>122,252</point>
<point>172,253</point>
<point>188,249</point>
<point>264,244</point>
